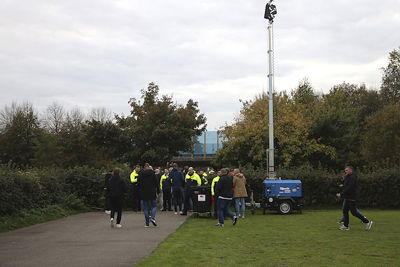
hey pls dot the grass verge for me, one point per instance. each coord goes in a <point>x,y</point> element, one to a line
<point>30,217</point>
<point>309,239</point>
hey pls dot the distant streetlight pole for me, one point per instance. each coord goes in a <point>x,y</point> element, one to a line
<point>270,12</point>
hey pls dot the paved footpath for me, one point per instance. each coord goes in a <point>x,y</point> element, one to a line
<point>86,240</point>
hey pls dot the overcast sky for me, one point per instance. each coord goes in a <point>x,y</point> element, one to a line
<point>100,53</point>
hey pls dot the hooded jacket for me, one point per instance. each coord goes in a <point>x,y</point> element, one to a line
<point>239,183</point>
<point>148,184</point>
<point>225,187</point>
<point>117,186</point>
<point>177,178</point>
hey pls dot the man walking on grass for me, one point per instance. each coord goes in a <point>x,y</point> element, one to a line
<point>349,195</point>
<point>224,191</point>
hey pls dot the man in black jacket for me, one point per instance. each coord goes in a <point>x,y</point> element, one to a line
<point>148,188</point>
<point>117,188</point>
<point>224,190</point>
<point>177,182</point>
<point>106,193</point>
<point>349,195</point>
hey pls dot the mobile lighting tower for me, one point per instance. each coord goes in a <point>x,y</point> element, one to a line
<point>270,12</point>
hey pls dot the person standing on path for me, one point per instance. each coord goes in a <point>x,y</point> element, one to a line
<point>159,174</point>
<point>165,185</point>
<point>191,179</point>
<point>349,195</point>
<point>148,188</point>
<point>135,190</point>
<point>116,190</point>
<point>224,191</point>
<point>107,178</point>
<point>239,193</point>
<point>177,181</point>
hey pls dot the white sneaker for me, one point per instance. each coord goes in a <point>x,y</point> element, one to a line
<point>368,225</point>
<point>344,228</point>
<point>175,213</point>
<point>146,226</point>
<point>153,221</point>
<point>112,222</point>
<point>108,212</point>
<point>118,225</point>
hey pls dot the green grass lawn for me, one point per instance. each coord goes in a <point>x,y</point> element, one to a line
<point>308,239</point>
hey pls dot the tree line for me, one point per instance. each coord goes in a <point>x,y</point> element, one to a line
<point>349,125</point>
<point>156,129</point>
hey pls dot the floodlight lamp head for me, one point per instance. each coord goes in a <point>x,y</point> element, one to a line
<point>270,12</point>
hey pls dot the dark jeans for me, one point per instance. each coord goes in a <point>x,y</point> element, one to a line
<point>135,197</point>
<point>146,209</point>
<point>188,200</point>
<point>344,202</point>
<point>177,193</point>
<point>215,206</point>
<point>116,206</point>
<point>351,205</point>
<point>223,209</point>
<point>167,199</point>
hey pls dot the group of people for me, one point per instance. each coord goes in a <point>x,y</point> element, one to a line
<point>144,187</point>
<point>174,186</point>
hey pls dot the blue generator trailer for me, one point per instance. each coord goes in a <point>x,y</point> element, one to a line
<point>283,196</point>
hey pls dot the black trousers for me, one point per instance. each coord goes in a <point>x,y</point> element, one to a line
<point>188,199</point>
<point>215,206</point>
<point>116,206</point>
<point>178,198</point>
<point>167,199</point>
<point>350,205</point>
<point>135,197</point>
<point>107,202</point>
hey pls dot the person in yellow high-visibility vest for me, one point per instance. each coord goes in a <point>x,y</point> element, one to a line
<point>135,191</point>
<point>165,186</point>
<point>191,179</point>
<point>203,177</point>
<point>213,195</point>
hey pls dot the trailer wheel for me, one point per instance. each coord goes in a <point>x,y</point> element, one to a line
<point>285,207</point>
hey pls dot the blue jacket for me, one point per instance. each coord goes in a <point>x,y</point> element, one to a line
<point>177,179</point>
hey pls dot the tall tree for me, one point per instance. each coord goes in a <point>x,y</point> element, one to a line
<point>158,128</point>
<point>106,142</point>
<point>337,124</point>
<point>17,140</point>
<point>247,139</point>
<point>390,88</point>
<point>55,117</point>
<point>100,114</point>
<point>381,140</point>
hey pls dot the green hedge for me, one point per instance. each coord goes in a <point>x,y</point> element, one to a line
<point>377,189</point>
<point>80,187</point>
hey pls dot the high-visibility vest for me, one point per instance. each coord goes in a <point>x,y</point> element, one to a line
<point>213,184</point>
<point>134,176</point>
<point>194,177</point>
<point>204,180</point>
<point>163,177</point>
